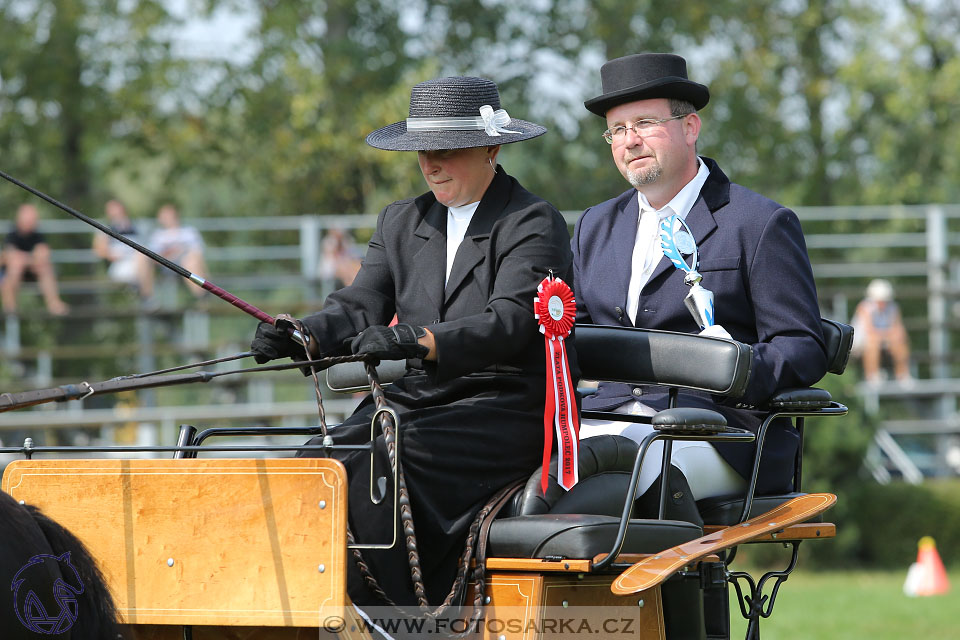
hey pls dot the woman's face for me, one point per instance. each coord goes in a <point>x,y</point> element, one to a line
<point>458,176</point>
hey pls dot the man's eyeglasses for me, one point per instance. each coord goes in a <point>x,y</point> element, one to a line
<point>640,127</point>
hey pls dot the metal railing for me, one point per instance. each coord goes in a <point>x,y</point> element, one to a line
<point>915,246</point>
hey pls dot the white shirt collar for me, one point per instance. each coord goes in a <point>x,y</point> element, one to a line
<point>684,200</point>
<point>458,219</point>
<point>464,210</point>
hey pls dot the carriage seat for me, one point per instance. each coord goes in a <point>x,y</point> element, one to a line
<point>583,523</point>
<point>582,536</point>
<point>799,404</point>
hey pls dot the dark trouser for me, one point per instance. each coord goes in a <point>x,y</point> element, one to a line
<point>453,463</point>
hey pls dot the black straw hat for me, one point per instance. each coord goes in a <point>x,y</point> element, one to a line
<point>643,76</point>
<point>453,113</point>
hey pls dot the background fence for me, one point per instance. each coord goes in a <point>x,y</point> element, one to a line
<point>278,264</point>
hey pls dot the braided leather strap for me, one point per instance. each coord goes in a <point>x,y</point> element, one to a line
<point>474,546</point>
<point>475,543</point>
<point>406,513</point>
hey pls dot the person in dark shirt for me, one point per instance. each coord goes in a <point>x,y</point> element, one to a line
<point>25,250</point>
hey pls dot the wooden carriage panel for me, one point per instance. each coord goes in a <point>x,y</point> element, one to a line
<point>513,596</point>
<point>529,606</point>
<point>597,610</point>
<point>244,542</point>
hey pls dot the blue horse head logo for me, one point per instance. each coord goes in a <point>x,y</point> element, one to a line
<point>34,577</point>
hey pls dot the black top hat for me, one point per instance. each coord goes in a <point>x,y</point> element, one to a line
<point>453,113</point>
<point>646,75</point>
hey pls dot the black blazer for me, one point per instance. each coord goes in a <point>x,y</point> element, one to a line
<point>754,259</point>
<point>482,320</point>
<point>472,421</point>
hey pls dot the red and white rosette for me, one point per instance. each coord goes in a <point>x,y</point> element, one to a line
<point>555,309</point>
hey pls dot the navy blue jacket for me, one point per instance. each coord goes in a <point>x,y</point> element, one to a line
<point>754,259</point>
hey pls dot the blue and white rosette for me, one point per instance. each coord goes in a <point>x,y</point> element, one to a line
<point>677,241</point>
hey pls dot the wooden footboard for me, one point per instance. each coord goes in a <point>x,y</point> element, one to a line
<point>237,542</point>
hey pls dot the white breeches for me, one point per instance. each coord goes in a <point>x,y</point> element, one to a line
<point>707,473</point>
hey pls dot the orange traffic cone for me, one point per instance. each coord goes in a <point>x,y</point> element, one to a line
<point>926,576</point>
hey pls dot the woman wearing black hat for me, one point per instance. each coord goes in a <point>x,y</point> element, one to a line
<point>459,266</point>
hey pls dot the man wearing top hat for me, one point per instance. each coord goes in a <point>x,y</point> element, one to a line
<point>459,266</point>
<point>752,256</point>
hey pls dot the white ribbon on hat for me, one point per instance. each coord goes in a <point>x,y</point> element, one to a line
<point>490,121</point>
<point>494,121</point>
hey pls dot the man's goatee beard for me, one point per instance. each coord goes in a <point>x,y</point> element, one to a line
<point>644,177</point>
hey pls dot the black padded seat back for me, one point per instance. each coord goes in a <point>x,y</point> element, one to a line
<point>647,356</point>
<point>838,338</point>
<point>583,522</point>
<point>641,356</point>
<point>604,466</point>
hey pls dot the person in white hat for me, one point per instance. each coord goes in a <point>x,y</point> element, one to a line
<point>877,319</point>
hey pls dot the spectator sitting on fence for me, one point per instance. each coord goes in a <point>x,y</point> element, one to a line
<point>879,328</point>
<point>25,250</point>
<point>340,259</point>
<point>126,264</point>
<point>180,244</point>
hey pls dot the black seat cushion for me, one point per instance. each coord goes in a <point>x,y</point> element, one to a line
<point>689,420</point>
<point>599,494</point>
<point>725,510</point>
<point>808,399</point>
<point>604,464</point>
<point>581,536</point>
<point>583,522</point>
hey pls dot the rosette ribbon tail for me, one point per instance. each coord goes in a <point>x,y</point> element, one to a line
<point>555,309</point>
<point>549,408</point>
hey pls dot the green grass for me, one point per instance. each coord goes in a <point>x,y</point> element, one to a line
<point>855,604</point>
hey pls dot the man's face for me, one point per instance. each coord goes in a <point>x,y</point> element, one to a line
<point>659,158</point>
<point>458,176</point>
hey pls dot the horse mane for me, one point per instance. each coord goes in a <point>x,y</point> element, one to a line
<point>96,611</point>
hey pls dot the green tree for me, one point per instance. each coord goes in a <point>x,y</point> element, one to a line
<point>818,102</point>
<point>904,94</point>
<point>71,71</point>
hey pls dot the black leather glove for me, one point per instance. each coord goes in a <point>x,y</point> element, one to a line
<point>398,342</point>
<point>272,342</point>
